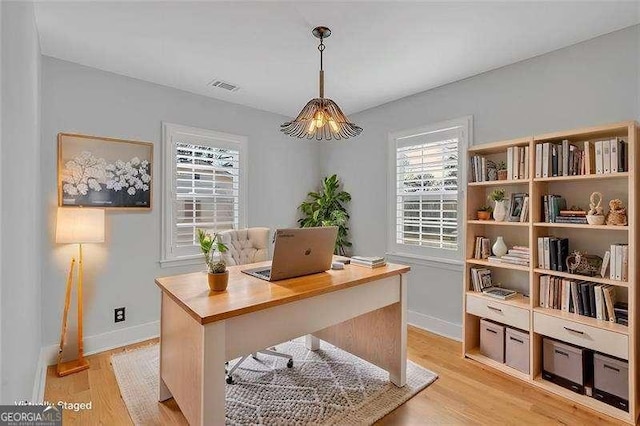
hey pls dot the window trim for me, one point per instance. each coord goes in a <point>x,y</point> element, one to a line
<point>418,252</point>
<point>169,132</point>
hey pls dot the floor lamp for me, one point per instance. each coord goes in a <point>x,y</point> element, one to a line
<point>76,226</point>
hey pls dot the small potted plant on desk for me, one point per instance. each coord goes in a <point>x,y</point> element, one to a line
<point>484,213</point>
<point>217,275</point>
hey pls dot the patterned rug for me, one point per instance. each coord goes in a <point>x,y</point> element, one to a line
<point>324,387</point>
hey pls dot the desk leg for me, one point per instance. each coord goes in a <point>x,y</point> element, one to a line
<point>311,342</point>
<point>398,369</point>
<point>212,401</point>
<point>163,391</point>
<point>192,359</point>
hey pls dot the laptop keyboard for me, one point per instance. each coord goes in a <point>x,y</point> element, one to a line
<point>266,273</point>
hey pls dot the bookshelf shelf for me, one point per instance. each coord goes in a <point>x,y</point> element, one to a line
<point>488,264</point>
<point>592,403</point>
<point>501,182</point>
<point>580,226</point>
<point>621,175</point>
<point>494,223</point>
<point>475,355</point>
<point>623,185</point>
<point>518,301</point>
<point>567,275</point>
<point>581,319</point>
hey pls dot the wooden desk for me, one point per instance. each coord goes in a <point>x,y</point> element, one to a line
<point>360,310</point>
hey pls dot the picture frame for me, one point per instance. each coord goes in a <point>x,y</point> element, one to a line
<point>109,173</point>
<point>516,204</point>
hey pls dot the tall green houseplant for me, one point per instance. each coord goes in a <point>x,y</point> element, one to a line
<point>327,208</point>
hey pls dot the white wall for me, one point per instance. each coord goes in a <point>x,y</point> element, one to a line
<point>20,193</point>
<point>590,83</point>
<point>121,271</point>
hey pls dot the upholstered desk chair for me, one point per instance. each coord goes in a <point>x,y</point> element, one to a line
<point>248,246</point>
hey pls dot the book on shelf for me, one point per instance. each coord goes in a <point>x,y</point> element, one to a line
<point>554,253</point>
<point>482,249</point>
<point>579,297</point>
<point>567,159</point>
<point>371,262</point>
<point>617,260</point>
<point>481,278</point>
<point>518,255</point>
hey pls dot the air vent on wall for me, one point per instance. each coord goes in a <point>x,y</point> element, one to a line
<point>224,85</point>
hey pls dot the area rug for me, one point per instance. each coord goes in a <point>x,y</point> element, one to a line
<point>324,387</point>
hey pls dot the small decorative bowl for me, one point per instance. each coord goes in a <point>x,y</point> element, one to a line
<point>595,219</point>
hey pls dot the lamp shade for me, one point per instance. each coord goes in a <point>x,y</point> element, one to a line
<point>79,225</point>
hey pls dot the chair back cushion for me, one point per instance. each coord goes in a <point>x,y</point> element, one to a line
<point>247,245</point>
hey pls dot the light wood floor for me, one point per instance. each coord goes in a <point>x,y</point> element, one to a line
<point>465,393</point>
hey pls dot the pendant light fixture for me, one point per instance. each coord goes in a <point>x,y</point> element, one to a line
<point>321,118</point>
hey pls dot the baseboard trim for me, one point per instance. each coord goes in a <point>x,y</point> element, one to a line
<point>37,396</point>
<point>435,325</point>
<point>92,345</point>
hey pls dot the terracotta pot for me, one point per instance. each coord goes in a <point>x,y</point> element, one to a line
<point>218,282</point>
<point>502,175</point>
<point>484,215</point>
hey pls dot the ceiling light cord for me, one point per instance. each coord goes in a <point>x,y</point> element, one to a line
<point>321,49</point>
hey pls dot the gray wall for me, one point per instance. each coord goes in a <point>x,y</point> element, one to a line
<point>20,193</point>
<point>121,271</point>
<point>590,83</point>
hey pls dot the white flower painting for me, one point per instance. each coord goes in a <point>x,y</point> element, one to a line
<point>104,172</point>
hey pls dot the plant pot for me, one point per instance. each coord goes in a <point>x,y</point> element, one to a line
<point>218,282</point>
<point>484,215</point>
<point>502,175</point>
<point>500,211</point>
<point>595,219</point>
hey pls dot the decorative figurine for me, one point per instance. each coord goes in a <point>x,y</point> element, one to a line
<point>595,215</point>
<point>584,264</point>
<point>617,215</point>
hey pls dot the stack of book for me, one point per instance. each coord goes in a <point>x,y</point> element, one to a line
<point>571,216</point>
<point>567,159</point>
<point>617,260</point>
<point>579,297</point>
<point>518,162</point>
<point>553,253</point>
<point>621,310</point>
<point>482,248</point>
<point>371,262</point>
<point>518,255</point>
<point>481,279</point>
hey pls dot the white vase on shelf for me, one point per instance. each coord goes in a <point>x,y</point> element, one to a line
<point>499,247</point>
<point>499,211</point>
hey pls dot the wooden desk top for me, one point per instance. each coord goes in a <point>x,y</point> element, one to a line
<point>248,294</point>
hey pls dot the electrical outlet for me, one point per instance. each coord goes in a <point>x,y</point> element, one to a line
<point>118,315</point>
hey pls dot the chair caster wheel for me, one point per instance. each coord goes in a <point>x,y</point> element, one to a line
<point>290,363</point>
<point>229,380</point>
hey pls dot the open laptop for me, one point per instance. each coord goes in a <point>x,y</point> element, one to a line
<point>298,252</point>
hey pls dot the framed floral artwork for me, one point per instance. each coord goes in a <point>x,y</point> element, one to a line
<point>104,172</point>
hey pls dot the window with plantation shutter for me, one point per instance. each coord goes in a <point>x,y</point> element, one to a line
<point>204,188</point>
<point>425,196</point>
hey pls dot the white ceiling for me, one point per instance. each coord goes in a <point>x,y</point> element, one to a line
<point>378,52</point>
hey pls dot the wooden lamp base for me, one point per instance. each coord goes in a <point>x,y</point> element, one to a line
<point>70,367</point>
<point>79,364</point>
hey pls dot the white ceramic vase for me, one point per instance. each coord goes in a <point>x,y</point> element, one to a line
<point>499,211</point>
<point>499,247</point>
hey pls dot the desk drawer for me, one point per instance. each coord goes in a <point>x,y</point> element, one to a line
<point>500,312</point>
<point>606,341</point>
